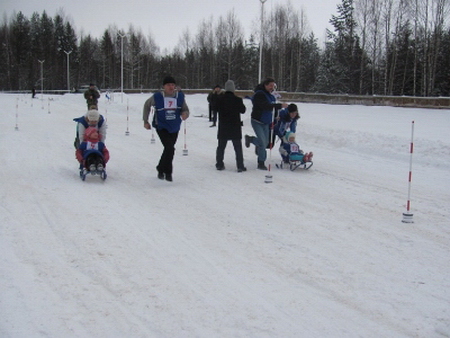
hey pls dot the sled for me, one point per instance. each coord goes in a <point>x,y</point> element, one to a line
<point>293,165</point>
<point>85,172</point>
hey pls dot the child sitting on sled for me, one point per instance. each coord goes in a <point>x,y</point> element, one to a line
<point>290,150</point>
<point>92,153</point>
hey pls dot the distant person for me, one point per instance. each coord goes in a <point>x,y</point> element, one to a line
<point>212,99</point>
<point>91,119</point>
<point>170,110</point>
<point>264,104</point>
<point>92,95</point>
<point>33,92</point>
<point>229,108</point>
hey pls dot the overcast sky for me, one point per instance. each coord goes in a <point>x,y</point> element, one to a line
<point>167,20</point>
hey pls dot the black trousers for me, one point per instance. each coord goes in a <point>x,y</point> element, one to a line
<point>95,159</point>
<point>237,144</point>
<point>214,115</point>
<point>168,141</point>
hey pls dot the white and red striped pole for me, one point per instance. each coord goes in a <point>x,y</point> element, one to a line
<point>408,216</point>
<point>269,176</point>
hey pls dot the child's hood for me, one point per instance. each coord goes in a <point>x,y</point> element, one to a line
<point>91,134</point>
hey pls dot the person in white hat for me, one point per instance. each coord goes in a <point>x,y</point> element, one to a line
<point>91,119</point>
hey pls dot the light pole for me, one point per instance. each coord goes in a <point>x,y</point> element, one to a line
<point>42,78</point>
<point>261,39</point>
<point>121,66</point>
<point>68,71</point>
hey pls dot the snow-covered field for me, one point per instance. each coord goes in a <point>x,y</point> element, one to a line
<point>317,253</point>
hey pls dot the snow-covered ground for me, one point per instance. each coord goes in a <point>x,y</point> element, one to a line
<point>317,253</point>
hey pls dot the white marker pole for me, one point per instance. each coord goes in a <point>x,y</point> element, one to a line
<point>127,132</point>
<point>17,114</point>
<point>408,216</point>
<point>185,151</point>
<point>152,113</point>
<point>269,177</point>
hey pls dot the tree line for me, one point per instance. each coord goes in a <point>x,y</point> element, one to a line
<point>376,47</point>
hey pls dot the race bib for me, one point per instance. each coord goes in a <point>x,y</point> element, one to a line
<point>92,146</point>
<point>294,148</point>
<point>170,106</point>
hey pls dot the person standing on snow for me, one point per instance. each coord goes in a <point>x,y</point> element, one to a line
<point>212,99</point>
<point>264,104</point>
<point>230,107</point>
<point>92,95</point>
<point>170,110</point>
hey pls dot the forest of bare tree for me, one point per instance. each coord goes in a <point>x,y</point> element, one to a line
<point>376,47</point>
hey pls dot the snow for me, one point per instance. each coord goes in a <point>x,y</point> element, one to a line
<point>316,253</point>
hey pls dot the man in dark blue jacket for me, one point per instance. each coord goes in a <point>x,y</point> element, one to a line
<point>170,109</point>
<point>264,104</point>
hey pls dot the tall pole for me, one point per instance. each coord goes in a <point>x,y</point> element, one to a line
<point>261,40</point>
<point>42,78</point>
<point>121,66</point>
<point>408,216</point>
<point>68,71</point>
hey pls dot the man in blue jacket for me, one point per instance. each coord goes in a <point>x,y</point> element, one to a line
<point>170,109</point>
<point>264,104</point>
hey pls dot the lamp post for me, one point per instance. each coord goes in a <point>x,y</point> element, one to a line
<point>68,71</point>
<point>42,78</point>
<point>121,66</point>
<point>261,39</point>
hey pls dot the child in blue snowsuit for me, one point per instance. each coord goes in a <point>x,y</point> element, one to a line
<point>290,150</point>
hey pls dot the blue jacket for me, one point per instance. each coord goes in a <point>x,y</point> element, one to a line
<point>83,121</point>
<point>98,149</point>
<point>285,123</point>
<point>165,117</point>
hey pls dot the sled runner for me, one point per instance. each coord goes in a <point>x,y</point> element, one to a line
<point>95,171</point>
<point>293,165</point>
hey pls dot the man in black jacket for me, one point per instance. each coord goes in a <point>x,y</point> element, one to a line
<point>230,107</point>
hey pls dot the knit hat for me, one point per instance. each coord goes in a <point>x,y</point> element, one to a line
<point>290,135</point>
<point>292,108</point>
<point>229,86</point>
<point>168,79</point>
<point>90,133</point>
<point>93,115</point>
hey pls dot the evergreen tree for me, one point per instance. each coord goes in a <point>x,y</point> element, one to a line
<point>21,53</point>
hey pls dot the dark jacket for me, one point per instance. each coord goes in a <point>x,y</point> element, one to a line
<point>230,107</point>
<point>263,105</point>
<point>212,99</point>
<point>91,96</point>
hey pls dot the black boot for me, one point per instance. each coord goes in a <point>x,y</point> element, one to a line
<point>261,165</point>
<point>248,140</point>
